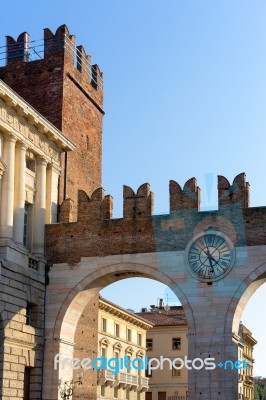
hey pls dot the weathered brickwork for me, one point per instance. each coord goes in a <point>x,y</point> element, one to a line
<point>96,234</point>
<point>70,97</point>
<point>86,345</point>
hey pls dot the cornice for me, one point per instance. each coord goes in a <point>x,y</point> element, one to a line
<point>22,343</point>
<point>123,314</point>
<point>42,125</point>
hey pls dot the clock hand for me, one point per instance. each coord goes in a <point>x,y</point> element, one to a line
<point>210,261</point>
<point>207,252</point>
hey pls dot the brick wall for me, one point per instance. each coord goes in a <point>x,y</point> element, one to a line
<point>96,234</point>
<point>86,345</point>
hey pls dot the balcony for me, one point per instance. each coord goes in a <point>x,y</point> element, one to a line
<point>123,380</point>
<point>143,384</point>
<point>106,376</point>
<point>132,381</point>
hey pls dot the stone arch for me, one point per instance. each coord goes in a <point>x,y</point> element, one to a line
<point>62,338</point>
<point>243,293</point>
<point>106,275</point>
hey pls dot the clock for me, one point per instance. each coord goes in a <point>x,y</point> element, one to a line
<point>210,256</point>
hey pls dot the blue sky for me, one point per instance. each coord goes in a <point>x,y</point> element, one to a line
<point>185,95</point>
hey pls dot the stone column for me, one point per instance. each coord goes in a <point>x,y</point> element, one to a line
<point>7,197</point>
<point>53,173</point>
<point>19,192</point>
<point>39,207</point>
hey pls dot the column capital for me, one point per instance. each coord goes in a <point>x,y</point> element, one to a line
<point>41,161</point>
<point>9,137</point>
<point>21,145</point>
<point>54,167</point>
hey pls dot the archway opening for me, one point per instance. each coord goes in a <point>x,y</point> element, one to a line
<point>75,333</point>
<point>165,336</point>
<point>248,326</point>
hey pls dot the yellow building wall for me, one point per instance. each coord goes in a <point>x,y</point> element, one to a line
<point>110,345</point>
<point>166,384</point>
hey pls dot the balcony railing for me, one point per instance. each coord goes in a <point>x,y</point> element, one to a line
<point>33,264</point>
<point>144,382</point>
<point>123,380</point>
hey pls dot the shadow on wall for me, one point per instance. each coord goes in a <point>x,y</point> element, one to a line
<point>1,354</point>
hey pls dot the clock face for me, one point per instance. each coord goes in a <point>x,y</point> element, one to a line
<point>210,256</point>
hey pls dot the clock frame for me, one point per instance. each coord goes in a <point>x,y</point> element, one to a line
<point>210,256</point>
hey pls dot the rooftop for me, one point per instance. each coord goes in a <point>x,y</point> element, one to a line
<point>172,317</point>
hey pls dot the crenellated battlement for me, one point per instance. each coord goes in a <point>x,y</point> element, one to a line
<point>95,208</point>
<point>238,192</point>
<point>186,198</point>
<point>96,233</point>
<point>57,49</point>
<point>140,204</point>
<point>137,205</point>
<point>57,78</point>
<point>61,41</point>
<point>18,49</point>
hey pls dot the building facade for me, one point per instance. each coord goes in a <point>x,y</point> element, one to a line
<point>245,351</point>
<point>38,170</point>
<point>121,334</point>
<point>169,338</point>
<point>30,166</point>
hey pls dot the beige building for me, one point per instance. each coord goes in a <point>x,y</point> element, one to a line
<point>245,352</point>
<point>121,334</point>
<point>30,149</point>
<point>167,338</point>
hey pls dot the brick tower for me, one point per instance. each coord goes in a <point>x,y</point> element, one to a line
<point>66,89</point>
